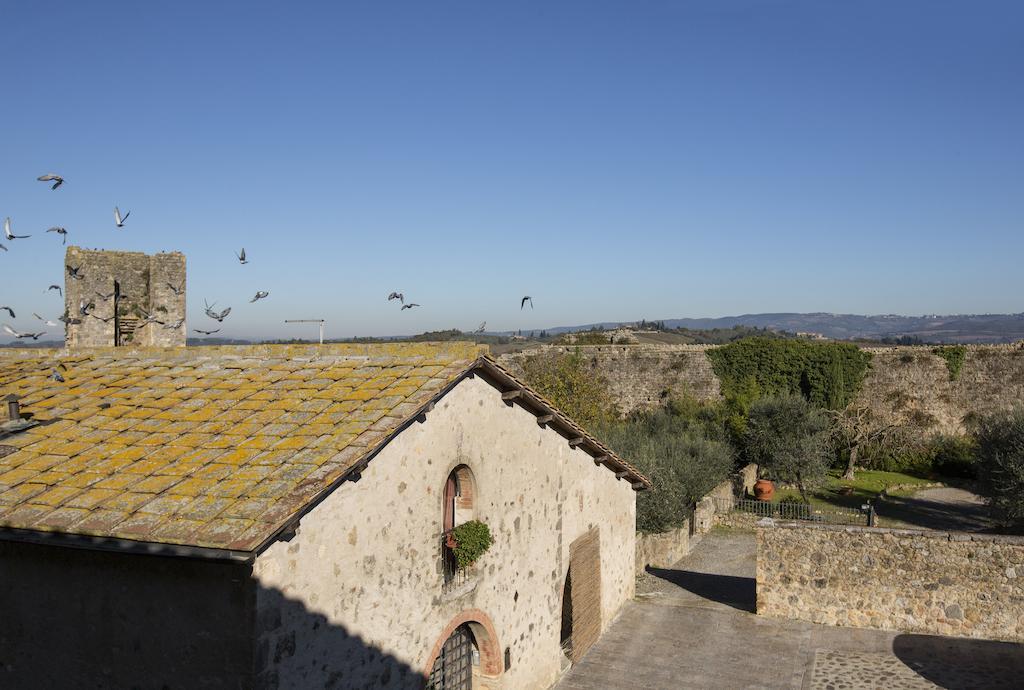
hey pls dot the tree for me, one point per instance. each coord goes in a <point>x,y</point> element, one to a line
<point>855,427</point>
<point>790,439</point>
<point>567,381</point>
<point>1000,439</point>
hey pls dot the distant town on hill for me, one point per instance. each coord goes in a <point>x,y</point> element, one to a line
<point>879,329</point>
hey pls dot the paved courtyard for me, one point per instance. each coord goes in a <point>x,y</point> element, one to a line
<point>693,626</point>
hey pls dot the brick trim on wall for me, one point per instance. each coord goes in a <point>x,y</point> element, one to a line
<point>486,639</point>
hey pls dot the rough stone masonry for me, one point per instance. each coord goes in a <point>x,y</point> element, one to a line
<point>123,288</point>
<point>946,583</point>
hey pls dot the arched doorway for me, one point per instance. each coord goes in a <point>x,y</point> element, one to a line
<point>453,667</point>
<point>468,638</point>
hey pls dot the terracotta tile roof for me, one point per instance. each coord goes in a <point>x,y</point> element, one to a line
<point>216,447</point>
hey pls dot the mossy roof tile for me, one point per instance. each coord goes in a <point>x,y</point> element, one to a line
<point>212,447</point>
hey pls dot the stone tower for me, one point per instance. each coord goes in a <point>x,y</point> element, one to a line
<point>124,288</point>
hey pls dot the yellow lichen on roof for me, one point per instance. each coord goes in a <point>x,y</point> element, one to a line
<point>214,447</point>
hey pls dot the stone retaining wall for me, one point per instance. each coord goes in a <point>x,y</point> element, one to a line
<point>663,549</point>
<point>946,583</point>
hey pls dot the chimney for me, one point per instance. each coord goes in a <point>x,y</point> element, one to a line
<point>13,408</point>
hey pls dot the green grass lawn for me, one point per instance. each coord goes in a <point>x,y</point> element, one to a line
<point>841,493</point>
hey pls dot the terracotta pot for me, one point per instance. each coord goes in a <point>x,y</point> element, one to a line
<point>451,543</point>
<point>763,490</point>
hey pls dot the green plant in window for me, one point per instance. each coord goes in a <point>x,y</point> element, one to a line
<point>472,539</point>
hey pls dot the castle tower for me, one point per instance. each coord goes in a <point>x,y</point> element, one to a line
<point>124,288</point>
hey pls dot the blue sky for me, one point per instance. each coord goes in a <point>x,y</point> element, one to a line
<point>613,160</point>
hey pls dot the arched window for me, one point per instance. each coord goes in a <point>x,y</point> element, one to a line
<point>459,504</point>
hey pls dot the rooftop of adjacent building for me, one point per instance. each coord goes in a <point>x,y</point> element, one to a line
<point>219,448</point>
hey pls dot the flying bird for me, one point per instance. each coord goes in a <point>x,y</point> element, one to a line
<point>525,300</point>
<point>85,307</point>
<point>118,218</point>
<point>218,317</point>
<point>481,328</point>
<point>408,306</point>
<point>67,319</point>
<point>57,180</point>
<point>105,297</point>
<point>199,330</point>
<point>173,326</point>
<point>73,272</point>
<point>46,321</point>
<point>62,232</point>
<point>3,247</point>
<point>21,336</point>
<point>8,234</point>
<point>177,290</point>
<point>100,318</point>
<point>57,377</point>
<point>241,257</point>
<point>262,294</point>
<point>9,311</point>
<point>397,295</point>
<point>57,288</point>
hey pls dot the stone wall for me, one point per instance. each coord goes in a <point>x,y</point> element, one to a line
<point>663,549</point>
<point>903,385</point>
<point>367,560</point>
<point>946,583</point>
<point>73,617</point>
<point>139,283</point>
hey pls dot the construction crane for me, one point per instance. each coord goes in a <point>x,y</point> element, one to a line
<point>319,321</point>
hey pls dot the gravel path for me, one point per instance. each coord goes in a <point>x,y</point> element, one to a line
<point>945,508</point>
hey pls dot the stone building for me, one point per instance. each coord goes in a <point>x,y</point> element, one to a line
<point>123,288</point>
<point>277,516</point>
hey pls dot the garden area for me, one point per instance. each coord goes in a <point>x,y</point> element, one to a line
<point>790,406</point>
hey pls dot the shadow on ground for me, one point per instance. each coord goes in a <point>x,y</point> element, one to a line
<point>737,592</point>
<point>956,663</point>
<point>932,514</point>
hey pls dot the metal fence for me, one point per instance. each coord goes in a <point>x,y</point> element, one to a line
<point>453,574</point>
<point>797,511</point>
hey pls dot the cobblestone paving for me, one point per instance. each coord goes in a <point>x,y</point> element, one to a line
<point>838,670</point>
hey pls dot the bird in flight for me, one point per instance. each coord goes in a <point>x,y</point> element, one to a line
<point>66,319</point>
<point>481,328</point>
<point>104,297</point>
<point>57,180</point>
<point>408,306</point>
<point>46,321</point>
<point>85,307</point>
<point>262,294</point>
<point>397,295</point>
<point>100,318</point>
<point>118,218</point>
<point>57,377</point>
<point>173,326</point>
<point>62,232</point>
<point>20,336</point>
<point>9,311</point>
<point>199,330</point>
<point>3,247</point>
<point>524,301</point>
<point>241,257</point>
<point>57,288</point>
<point>73,272</point>
<point>219,317</point>
<point>177,290</point>
<point>7,231</point>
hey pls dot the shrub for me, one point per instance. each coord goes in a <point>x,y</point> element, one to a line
<point>826,374</point>
<point>1000,465</point>
<point>954,456</point>
<point>954,356</point>
<point>472,539</point>
<point>790,440</point>
<point>679,459</point>
<point>567,381</point>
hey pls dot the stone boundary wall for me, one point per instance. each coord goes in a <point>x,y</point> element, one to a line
<point>922,581</point>
<point>663,549</point>
<point>905,384</point>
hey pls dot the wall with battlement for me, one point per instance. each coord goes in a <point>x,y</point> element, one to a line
<point>922,581</point>
<point>903,385</point>
<point>139,284</point>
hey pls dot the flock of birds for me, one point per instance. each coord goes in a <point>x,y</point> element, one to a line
<point>86,307</point>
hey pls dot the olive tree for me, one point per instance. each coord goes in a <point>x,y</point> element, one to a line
<point>1000,465</point>
<point>790,439</point>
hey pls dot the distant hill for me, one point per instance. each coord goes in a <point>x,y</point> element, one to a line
<point>957,328</point>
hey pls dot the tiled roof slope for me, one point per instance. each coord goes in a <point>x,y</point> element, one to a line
<point>215,447</point>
